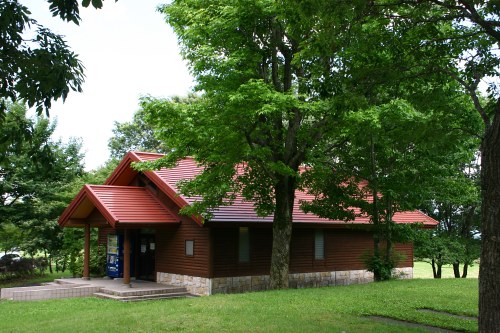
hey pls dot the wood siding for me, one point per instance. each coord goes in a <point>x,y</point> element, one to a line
<point>103,235</point>
<point>225,252</point>
<point>344,250</point>
<point>170,246</point>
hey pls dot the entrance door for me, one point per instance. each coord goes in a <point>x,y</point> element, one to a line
<point>146,264</point>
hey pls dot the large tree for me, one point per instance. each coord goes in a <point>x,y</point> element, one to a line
<point>283,83</point>
<point>36,180</point>
<point>402,156</point>
<point>462,39</point>
<point>271,92</point>
<point>457,207</point>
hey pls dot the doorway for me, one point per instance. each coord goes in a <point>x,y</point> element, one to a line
<point>146,256</point>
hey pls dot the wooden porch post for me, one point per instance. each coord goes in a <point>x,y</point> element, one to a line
<point>126,257</point>
<point>86,253</point>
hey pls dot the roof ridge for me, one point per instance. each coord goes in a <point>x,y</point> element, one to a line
<point>99,205</point>
<point>113,186</point>
<point>146,153</point>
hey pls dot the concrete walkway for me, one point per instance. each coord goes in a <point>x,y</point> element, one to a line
<point>106,288</point>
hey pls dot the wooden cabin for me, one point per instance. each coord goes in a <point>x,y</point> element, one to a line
<point>231,252</point>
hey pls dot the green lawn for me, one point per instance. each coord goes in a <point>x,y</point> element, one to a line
<point>330,309</point>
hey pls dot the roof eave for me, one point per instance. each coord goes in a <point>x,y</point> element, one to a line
<point>122,166</point>
<point>63,219</point>
<point>86,192</point>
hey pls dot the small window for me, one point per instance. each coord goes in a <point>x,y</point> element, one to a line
<point>319,244</point>
<point>244,245</point>
<point>190,247</point>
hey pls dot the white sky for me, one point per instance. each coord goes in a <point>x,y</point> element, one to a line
<point>128,51</point>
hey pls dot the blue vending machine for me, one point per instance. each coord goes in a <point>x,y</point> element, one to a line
<point>114,258</point>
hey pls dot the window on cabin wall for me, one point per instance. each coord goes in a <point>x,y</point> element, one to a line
<point>319,244</point>
<point>189,248</point>
<point>244,245</point>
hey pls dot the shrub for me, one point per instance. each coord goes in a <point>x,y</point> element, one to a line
<point>17,268</point>
<point>97,262</point>
<point>382,266</point>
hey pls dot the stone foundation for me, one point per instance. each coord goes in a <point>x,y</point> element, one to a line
<point>403,273</point>
<point>194,284</point>
<point>239,284</point>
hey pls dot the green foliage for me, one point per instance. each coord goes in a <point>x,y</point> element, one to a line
<point>337,87</point>
<point>261,110</point>
<point>37,182</point>
<point>443,250</point>
<point>21,269</point>
<point>37,67</point>
<point>10,237</point>
<point>33,166</point>
<point>69,10</point>
<point>381,266</point>
<point>440,248</point>
<point>457,207</point>
<point>461,40</point>
<point>402,155</point>
<point>137,135</point>
<point>97,265</point>
<point>99,175</point>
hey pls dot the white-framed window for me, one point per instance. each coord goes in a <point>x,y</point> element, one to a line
<point>244,244</point>
<point>319,244</point>
<point>189,247</point>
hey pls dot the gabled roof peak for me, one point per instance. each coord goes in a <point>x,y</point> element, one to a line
<point>119,205</point>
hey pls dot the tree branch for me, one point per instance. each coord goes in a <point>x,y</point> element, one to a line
<point>471,90</point>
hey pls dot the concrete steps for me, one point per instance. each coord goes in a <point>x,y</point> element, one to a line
<point>103,288</point>
<point>133,294</point>
<point>141,292</point>
<point>148,297</point>
<point>48,292</point>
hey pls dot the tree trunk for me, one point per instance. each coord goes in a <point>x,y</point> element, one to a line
<point>377,276</point>
<point>46,261</point>
<point>464,272</point>
<point>388,227</point>
<point>63,269</point>
<point>489,268</point>
<point>456,269</point>
<point>438,275</point>
<point>434,272</point>
<point>282,232</point>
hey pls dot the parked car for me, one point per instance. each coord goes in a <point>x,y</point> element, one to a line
<point>9,260</point>
<point>9,257</point>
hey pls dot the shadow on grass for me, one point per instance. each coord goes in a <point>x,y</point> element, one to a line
<point>410,324</point>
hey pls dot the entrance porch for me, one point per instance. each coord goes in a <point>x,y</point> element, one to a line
<point>132,213</point>
<point>104,288</point>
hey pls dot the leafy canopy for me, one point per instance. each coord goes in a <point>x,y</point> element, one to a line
<point>37,65</point>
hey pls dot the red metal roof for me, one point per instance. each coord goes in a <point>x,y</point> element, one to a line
<point>241,210</point>
<point>119,205</point>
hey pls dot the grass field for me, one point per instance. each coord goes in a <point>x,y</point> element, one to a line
<point>330,309</point>
<point>423,270</point>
